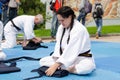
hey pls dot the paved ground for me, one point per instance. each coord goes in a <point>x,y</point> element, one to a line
<point>107,38</point>
<point>104,38</point>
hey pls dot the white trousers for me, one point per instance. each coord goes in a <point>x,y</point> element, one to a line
<point>83,65</point>
<point>10,36</point>
<point>2,54</point>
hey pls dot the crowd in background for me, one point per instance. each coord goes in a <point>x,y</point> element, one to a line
<point>85,7</point>
<point>8,10</point>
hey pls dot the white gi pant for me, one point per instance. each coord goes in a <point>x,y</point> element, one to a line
<point>10,33</point>
<point>2,54</point>
<point>83,65</point>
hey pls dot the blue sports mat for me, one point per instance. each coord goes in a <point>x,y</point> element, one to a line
<point>106,54</point>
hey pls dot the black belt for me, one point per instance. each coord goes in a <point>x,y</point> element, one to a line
<point>86,54</point>
<point>15,25</point>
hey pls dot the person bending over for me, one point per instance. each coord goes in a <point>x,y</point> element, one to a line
<point>24,24</point>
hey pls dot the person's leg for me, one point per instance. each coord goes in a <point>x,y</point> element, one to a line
<point>46,61</point>
<point>53,26</point>
<point>10,40</point>
<point>56,26</point>
<point>80,16</point>
<point>99,27</point>
<point>12,13</point>
<point>0,16</point>
<point>5,17</point>
<point>84,66</point>
<point>84,19</point>
<point>1,32</point>
<point>10,36</point>
<point>2,54</point>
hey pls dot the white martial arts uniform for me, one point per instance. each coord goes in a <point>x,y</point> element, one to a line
<point>2,54</point>
<point>25,23</point>
<point>79,42</point>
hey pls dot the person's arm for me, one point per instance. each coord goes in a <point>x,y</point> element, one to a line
<point>102,10</point>
<point>52,69</point>
<point>18,2</point>
<point>24,43</point>
<point>28,29</point>
<point>93,11</point>
<point>37,40</point>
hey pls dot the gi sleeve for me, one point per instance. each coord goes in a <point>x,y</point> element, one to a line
<point>28,30</point>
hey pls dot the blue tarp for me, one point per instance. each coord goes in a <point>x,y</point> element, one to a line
<point>106,54</point>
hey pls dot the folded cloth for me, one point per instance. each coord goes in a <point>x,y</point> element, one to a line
<point>32,46</point>
<point>4,68</point>
<point>57,73</point>
<point>41,71</point>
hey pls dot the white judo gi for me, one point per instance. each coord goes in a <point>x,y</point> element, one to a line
<point>2,54</point>
<point>25,23</point>
<point>79,42</point>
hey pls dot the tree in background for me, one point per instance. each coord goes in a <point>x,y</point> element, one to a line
<point>32,7</point>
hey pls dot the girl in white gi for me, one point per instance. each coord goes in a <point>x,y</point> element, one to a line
<point>2,54</point>
<point>23,23</point>
<point>72,49</point>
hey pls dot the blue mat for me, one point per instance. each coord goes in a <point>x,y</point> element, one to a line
<point>106,54</point>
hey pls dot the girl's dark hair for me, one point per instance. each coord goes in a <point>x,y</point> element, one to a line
<point>65,12</point>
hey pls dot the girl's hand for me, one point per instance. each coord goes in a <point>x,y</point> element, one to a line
<point>52,69</point>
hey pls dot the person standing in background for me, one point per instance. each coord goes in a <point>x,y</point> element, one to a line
<point>3,13</point>
<point>13,8</point>
<point>97,15</point>
<point>4,17</point>
<point>55,5</point>
<point>0,10</point>
<point>84,8</point>
<point>3,9</point>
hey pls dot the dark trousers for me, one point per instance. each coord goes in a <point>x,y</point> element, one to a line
<point>12,13</point>
<point>82,16</point>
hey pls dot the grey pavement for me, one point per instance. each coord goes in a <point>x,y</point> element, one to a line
<point>107,38</point>
<point>103,38</point>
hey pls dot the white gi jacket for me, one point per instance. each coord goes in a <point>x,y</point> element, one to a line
<point>79,42</point>
<point>25,23</point>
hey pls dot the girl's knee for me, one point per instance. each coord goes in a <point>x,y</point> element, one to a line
<point>85,67</point>
<point>46,61</point>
